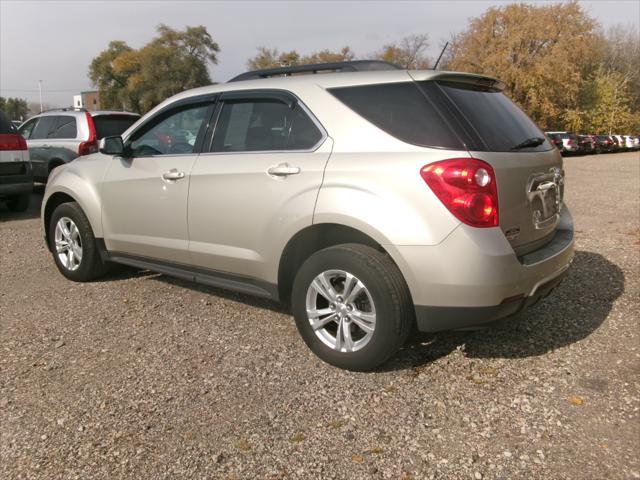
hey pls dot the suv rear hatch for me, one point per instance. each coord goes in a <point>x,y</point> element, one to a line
<point>528,170</point>
<point>458,112</point>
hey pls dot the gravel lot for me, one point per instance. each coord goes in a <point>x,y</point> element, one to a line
<point>144,376</point>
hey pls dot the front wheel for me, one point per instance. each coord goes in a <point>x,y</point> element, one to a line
<point>352,306</point>
<point>73,245</point>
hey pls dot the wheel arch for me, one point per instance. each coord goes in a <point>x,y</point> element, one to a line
<point>312,239</point>
<point>85,198</point>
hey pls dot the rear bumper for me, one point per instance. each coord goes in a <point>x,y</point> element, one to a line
<point>435,319</point>
<point>474,277</point>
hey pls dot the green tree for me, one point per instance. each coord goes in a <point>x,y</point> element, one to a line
<point>272,58</point>
<point>408,52</point>
<point>138,80</point>
<point>14,108</point>
<point>540,52</point>
<point>607,104</point>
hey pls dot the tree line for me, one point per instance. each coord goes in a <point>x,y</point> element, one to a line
<point>555,60</point>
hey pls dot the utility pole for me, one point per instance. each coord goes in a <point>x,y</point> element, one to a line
<point>40,91</point>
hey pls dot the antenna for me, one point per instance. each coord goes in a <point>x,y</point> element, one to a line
<point>435,67</point>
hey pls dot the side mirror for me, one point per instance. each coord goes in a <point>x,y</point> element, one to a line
<point>111,145</point>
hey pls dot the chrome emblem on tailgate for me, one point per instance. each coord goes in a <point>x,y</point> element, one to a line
<point>545,192</point>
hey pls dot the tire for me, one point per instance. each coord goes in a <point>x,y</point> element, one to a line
<point>385,299</point>
<point>90,266</point>
<point>18,203</point>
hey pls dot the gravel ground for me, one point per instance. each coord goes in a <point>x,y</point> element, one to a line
<point>143,376</point>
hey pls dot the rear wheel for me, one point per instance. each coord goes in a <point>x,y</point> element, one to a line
<point>73,244</point>
<point>352,306</point>
<point>18,203</point>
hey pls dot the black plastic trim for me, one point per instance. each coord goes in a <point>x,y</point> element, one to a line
<point>213,278</point>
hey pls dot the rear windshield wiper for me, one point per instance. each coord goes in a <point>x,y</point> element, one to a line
<point>529,142</point>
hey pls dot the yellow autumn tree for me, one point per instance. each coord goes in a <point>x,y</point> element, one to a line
<point>540,52</point>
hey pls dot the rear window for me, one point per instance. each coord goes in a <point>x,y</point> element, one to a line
<point>401,110</point>
<point>112,125</point>
<point>499,123</point>
<point>5,124</point>
<point>444,115</point>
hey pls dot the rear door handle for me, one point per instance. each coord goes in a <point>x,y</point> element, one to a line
<point>172,175</point>
<point>46,146</point>
<point>283,170</point>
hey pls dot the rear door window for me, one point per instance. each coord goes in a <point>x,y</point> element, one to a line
<point>264,125</point>
<point>112,125</point>
<point>65,127</point>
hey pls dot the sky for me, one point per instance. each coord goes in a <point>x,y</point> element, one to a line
<point>54,41</point>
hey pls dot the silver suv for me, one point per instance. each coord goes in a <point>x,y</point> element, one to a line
<point>58,136</point>
<point>372,201</point>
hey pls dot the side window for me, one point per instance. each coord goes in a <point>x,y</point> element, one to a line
<point>263,125</point>
<point>64,128</point>
<point>26,129</point>
<point>174,133</point>
<point>43,127</point>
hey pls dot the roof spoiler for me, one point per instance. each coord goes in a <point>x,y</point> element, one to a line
<point>472,79</point>
<point>352,66</point>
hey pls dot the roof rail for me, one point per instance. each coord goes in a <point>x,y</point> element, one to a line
<point>352,66</point>
<point>64,109</point>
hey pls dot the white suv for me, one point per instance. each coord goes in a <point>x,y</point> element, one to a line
<point>373,201</point>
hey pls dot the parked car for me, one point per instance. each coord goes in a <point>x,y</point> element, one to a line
<point>555,139</point>
<point>622,143</point>
<point>349,195</point>
<point>569,142</point>
<point>586,145</point>
<point>603,143</point>
<point>629,142</point>
<point>58,136</point>
<point>16,178</point>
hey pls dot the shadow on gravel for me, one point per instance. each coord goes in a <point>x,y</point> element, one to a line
<point>32,212</point>
<point>578,306</point>
<point>227,294</point>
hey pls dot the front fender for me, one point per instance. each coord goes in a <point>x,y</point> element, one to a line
<point>79,180</point>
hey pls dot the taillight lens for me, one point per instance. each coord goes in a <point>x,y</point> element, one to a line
<point>467,187</point>
<point>12,141</point>
<point>91,145</point>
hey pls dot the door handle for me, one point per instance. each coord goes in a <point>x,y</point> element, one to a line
<point>46,146</point>
<point>283,170</point>
<point>172,175</point>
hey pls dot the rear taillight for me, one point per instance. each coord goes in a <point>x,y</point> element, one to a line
<point>12,141</point>
<point>467,187</point>
<point>570,142</point>
<point>91,145</point>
